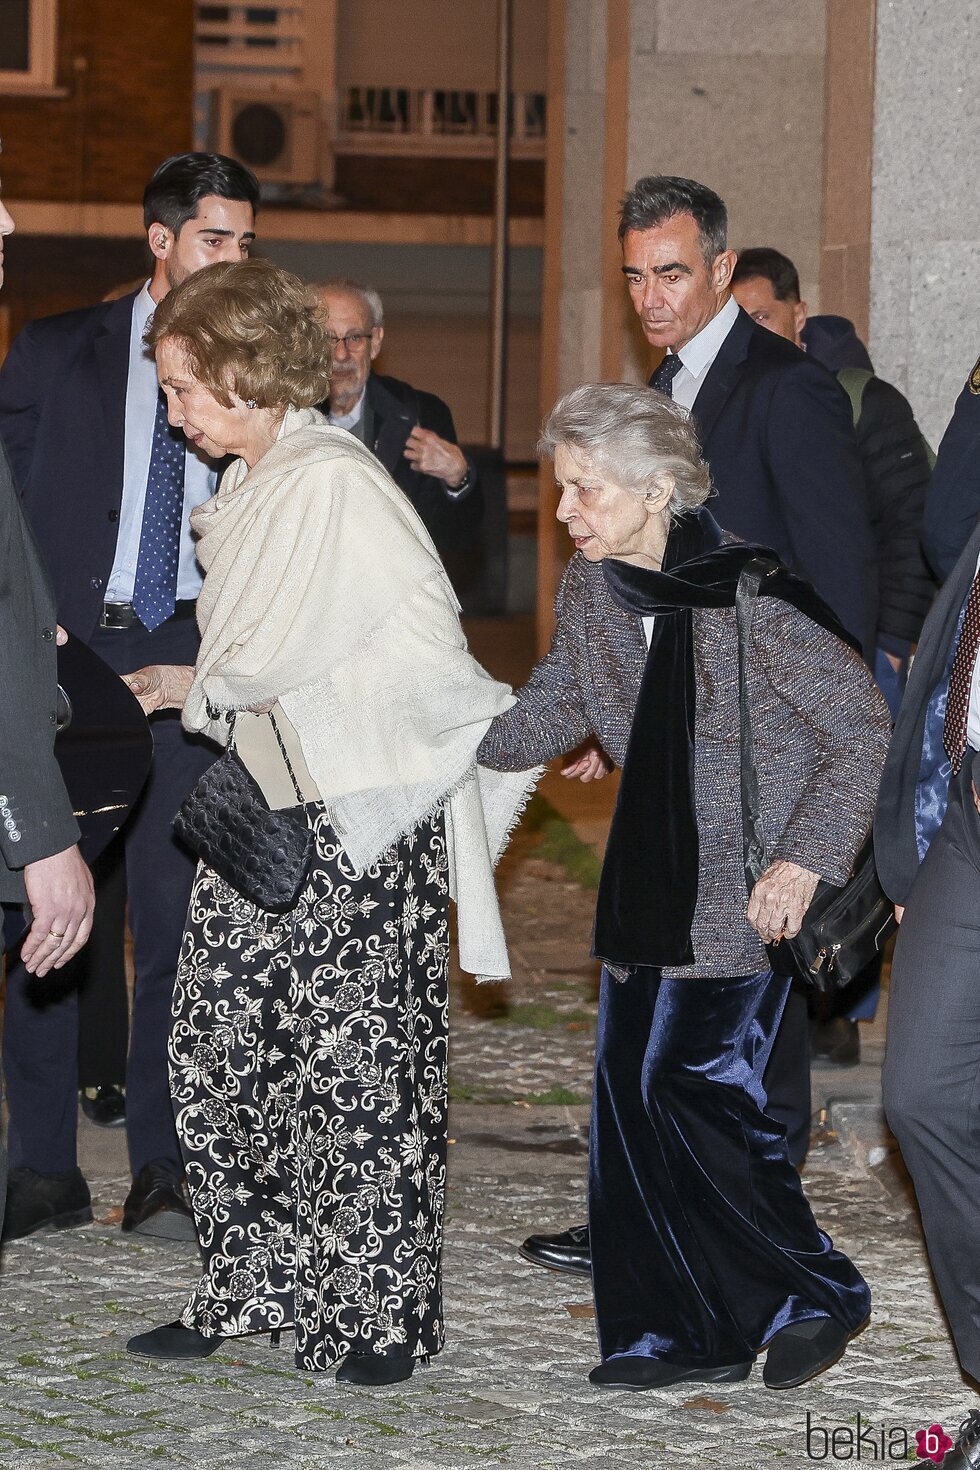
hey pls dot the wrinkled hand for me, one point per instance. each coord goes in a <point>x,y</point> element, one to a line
<point>779,901</point>
<point>160,686</point>
<point>62,899</point>
<point>430,455</point>
<point>588,763</point>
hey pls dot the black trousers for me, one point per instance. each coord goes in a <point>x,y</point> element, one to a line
<point>787,1078</point>
<point>40,1043</point>
<point>103,1005</point>
<point>931,1078</point>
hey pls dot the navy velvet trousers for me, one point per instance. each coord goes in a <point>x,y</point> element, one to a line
<point>703,1244</point>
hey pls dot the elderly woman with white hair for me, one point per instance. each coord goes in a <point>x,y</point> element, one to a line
<point>704,1248</point>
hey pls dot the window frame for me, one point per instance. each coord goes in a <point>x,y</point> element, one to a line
<point>40,75</point>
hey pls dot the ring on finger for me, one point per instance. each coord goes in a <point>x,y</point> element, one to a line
<point>53,934</point>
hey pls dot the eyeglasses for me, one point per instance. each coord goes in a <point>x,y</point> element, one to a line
<point>351,340</point>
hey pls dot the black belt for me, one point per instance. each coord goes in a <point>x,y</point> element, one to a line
<point>123,614</point>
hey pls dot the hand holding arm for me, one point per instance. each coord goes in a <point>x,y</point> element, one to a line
<point>160,686</point>
<point>62,899</point>
<point>588,763</point>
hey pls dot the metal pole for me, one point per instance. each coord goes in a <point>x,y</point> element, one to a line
<point>499,265</point>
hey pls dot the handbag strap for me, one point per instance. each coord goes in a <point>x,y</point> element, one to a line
<point>752,576</point>
<point>289,765</point>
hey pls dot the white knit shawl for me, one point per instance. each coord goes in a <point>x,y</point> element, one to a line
<point>323,590</point>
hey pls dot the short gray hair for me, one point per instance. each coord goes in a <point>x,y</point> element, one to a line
<point>634,435</point>
<point>367,294</point>
<point>659,197</point>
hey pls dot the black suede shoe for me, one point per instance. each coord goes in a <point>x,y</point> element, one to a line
<point>803,1350</point>
<point>174,1341</point>
<point>568,1251</point>
<point>104,1106</point>
<point>635,1373</point>
<point>965,1454</point>
<point>375,1370</point>
<point>45,1202</point>
<point>156,1204</point>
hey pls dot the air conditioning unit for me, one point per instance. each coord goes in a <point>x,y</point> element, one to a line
<point>278,134</point>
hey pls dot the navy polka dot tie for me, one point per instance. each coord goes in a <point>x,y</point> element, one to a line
<point>155,589</point>
<point>665,374</point>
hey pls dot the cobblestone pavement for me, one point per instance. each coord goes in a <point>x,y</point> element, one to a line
<point>510,1388</point>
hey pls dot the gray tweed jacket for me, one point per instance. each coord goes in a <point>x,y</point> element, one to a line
<point>821,730</point>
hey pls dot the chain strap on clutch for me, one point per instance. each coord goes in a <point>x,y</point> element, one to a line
<point>264,855</point>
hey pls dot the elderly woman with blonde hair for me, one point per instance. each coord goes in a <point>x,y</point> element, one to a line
<point>308,1052</point>
<point>704,1248</point>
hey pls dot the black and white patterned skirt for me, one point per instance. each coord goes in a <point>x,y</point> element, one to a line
<point>308,1071</point>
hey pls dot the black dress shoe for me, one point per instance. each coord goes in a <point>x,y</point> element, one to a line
<point>375,1370</point>
<point>835,1043</point>
<point>174,1341</point>
<point>45,1202</point>
<point>965,1454</point>
<point>156,1204</point>
<point>568,1251</point>
<point>802,1350</point>
<point>635,1373</point>
<point>104,1106</point>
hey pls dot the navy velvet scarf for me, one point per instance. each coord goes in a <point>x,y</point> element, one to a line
<point>649,884</point>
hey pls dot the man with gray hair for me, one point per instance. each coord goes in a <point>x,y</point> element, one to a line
<point>775,426</point>
<point>411,433</point>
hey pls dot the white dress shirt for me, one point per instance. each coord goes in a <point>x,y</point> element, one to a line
<point>200,476</point>
<point>698,355</point>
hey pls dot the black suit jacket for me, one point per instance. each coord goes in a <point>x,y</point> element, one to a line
<point>36,818</point>
<point>396,409</point>
<point>953,497</point>
<point>896,844</point>
<point>777,432</point>
<point>63,422</point>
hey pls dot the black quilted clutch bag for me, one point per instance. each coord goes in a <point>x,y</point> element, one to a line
<point>265,855</point>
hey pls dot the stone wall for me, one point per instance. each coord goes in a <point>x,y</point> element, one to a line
<point>925,231</point>
<point>731,92</point>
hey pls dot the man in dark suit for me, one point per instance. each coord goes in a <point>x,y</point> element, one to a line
<point>40,864</point>
<point>411,432</point>
<point>108,488</point>
<point>776,431</point>
<point>927,847</point>
<point>953,498</point>
<point>774,425</point>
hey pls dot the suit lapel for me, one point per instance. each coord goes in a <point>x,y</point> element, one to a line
<point>722,376</point>
<point>392,424</point>
<point>111,351</point>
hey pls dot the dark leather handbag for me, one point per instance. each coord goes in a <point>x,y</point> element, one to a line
<point>265,855</point>
<point>844,929</point>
